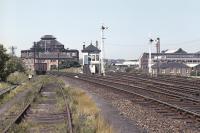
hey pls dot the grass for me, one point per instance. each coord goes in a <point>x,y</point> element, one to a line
<point>4,85</point>
<point>19,105</point>
<point>17,78</point>
<point>8,96</point>
<point>85,114</point>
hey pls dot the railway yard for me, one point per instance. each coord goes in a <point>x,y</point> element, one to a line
<point>157,104</point>
<point>149,103</point>
<point>45,104</point>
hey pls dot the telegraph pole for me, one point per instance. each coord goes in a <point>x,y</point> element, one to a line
<point>12,49</point>
<point>102,49</point>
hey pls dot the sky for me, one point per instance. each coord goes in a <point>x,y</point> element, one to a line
<point>130,24</point>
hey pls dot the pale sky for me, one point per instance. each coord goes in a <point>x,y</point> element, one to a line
<point>176,22</point>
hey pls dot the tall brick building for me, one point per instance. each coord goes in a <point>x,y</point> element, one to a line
<point>50,51</point>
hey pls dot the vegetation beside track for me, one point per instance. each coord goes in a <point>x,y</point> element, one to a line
<point>86,116</point>
<point>17,78</point>
<point>20,103</point>
<point>4,85</point>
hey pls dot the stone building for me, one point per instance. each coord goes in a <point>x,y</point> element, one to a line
<point>50,51</point>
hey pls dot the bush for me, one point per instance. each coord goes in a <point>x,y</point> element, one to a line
<point>17,78</point>
<point>68,64</point>
<point>15,64</point>
<point>8,64</point>
<point>3,59</point>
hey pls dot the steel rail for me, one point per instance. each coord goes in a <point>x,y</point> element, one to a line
<point>142,88</point>
<point>159,80</point>
<point>146,97</point>
<point>94,81</point>
<point>158,85</point>
<point>69,118</point>
<point>21,113</point>
<point>6,90</point>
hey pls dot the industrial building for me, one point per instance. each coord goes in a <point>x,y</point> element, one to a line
<point>48,51</point>
<point>169,58</point>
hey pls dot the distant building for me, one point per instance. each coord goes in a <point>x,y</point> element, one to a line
<point>171,68</point>
<point>128,63</point>
<point>50,51</point>
<point>91,58</point>
<point>166,56</point>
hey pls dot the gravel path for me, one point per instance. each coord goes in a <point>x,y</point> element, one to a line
<point>113,116</point>
<point>143,117</point>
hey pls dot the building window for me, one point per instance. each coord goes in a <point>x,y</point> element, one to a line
<point>68,54</point>
<point>171,70</point>
<point>93,57</point>
<point>74,54</point>
<point>97,57</point>
<point>163,71</point>
<point>178,71</point>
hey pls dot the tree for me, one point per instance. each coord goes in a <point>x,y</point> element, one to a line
<point>3,59</point>
<point>14,64</point>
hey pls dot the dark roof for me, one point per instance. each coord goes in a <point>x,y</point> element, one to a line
<point>91,48</point>
<point>48,37</point>
<point>169,65</point>
<point>180,51</point>
<point>51,42</point>
<point>176,51</point>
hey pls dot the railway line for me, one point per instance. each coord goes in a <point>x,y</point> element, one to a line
<point>42,112</point>
<point>12,87</point>
<point>6,90</point>
<point>190,91</point>
<point>187,82</point>
<point>176,104</point>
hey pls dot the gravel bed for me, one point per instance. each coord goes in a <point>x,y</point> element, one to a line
<point>144,117</point>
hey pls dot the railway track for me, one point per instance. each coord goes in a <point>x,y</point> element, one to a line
<point>165,86</point>
<point>14,85</point>
<point>187,82</point>
<point>43,113</point>
<point>6,90</point>
<point>166,103</point>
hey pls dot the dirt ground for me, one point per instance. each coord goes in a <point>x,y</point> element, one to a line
<point>120,123</point>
